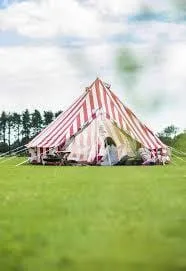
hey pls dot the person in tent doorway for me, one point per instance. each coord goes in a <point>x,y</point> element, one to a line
<point>110,157</point>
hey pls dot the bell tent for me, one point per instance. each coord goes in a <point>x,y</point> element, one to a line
<point>82,128</point>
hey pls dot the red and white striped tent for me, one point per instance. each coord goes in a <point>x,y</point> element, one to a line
<point>81,129</point>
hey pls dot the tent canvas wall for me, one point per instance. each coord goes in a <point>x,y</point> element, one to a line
<point>81,129</point>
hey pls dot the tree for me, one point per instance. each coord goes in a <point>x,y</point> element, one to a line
<point>166,140</point>
<point>9,128</point>
<point>17,129</point>
<point>3,147</point>
<point>48,117</point>
<point>1,131</point>
<point>3,126</point>
<point>36,122</point>
<point>17,126</point>
<point>180,142</point>
<point>168,134</point>
<point>26,122</point>
<point>170,131</point>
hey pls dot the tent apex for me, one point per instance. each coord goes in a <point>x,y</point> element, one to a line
<point>97,79</point>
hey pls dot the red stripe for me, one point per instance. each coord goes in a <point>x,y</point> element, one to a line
<point>85,112</point>
<point>58,129</point>
<point>91,101</point>
<point>58,124</point>
<point>160,143</point>
<point>105,99</point>
<point>92,84</point>
<point>120,120</point>
<point>147,134</point>
<point>132,117</point>
<point>112,108</point>
<point>137,128</point>
<point>143,128</point>
<point>55,122</point>
<point>65,129</point>
<point>78,121</point>
<point>141,125</point>
<point>98,93</point>
<point>71,130</point>
<point>157,139</point>
<point>127,119</point>
<point>62,142</point>
<point>56,138</point>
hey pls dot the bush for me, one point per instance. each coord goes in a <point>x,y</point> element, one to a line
<point>3,147</point>
<point>180,142</point>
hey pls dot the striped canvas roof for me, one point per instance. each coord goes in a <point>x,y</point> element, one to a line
<point>97,97</point>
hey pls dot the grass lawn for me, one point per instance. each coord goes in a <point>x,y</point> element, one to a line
<point>87,218</point>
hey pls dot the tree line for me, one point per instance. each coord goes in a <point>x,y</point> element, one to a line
<point>173,138</point>
<point>17,129</point>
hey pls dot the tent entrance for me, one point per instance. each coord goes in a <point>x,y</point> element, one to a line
<point>89,144</point>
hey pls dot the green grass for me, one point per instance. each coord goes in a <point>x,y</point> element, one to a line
<point>86,218</point>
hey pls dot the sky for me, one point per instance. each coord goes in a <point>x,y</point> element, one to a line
<point>51,50</point>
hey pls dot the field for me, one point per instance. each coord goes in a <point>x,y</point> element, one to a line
<point>87,218</point>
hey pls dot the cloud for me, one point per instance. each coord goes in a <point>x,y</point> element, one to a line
<point>115,8</point>
<point>91,20</point>
<point>36,77</point>
<point>11,38</point>
<point>48,18</point>
<point>174,70</point>
<point>161,32</point>
<point>49,76</point>
<point>159,91</point>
